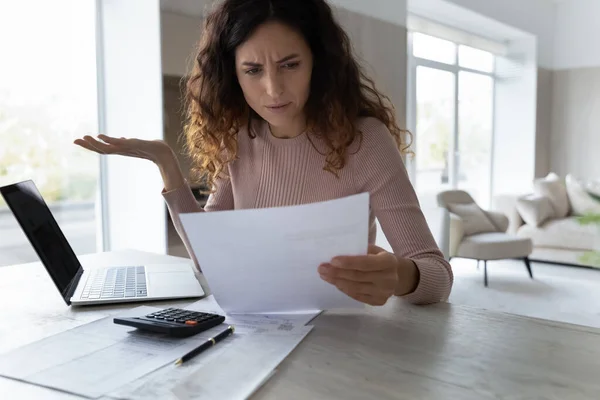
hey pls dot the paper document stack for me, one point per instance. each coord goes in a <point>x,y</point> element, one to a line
<point>233,369</point>
<point>109,361</point>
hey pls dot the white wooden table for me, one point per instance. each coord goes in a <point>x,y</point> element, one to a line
<point>397,351</point>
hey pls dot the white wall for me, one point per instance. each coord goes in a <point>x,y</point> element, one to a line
<point>393,11</point>
<point>577,34</point>
<point>179,36</point>
<point>515,121</point>
<point>180,33</point>
<point>575,138</point>
<point>533,16</point>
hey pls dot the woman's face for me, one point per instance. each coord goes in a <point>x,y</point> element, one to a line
<point>274,68</point>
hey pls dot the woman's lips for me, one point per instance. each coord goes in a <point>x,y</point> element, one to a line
<point>277,108</point>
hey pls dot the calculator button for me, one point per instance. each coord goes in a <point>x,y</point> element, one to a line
<point>191,322</point>
<point>181,321</point>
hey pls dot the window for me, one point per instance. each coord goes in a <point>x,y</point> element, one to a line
<point>47,99</point>
<point>434,49</point>
<point>481,60</point>
<point>451,113</point>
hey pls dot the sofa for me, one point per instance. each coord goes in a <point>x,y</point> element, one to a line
<point>549,217</point>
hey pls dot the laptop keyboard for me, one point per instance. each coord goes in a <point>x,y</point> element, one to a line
<point>115,282</point>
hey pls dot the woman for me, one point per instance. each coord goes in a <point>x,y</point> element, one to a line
<point>280,113</point>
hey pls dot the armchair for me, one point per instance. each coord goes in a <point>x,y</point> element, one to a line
<point>480,235</point>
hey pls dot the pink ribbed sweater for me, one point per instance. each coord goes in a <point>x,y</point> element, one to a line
<point>271,172</point>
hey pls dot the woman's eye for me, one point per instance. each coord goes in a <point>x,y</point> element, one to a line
<point>291,65</point>
<point>252,71</point>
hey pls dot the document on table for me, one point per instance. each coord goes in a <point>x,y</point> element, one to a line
<point>97,358</point>
<point>248,358</point>
<point>254,323</point>
<point>233,370</point>
<point>266,260</point>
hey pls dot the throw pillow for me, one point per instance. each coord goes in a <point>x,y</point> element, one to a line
<point>473,218</point>
<point>535,210</point>
<point>593,188</point>
<point>556,191</point>
<point>581,201</point>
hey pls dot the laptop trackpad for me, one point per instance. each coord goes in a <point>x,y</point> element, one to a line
<point>172,280</point>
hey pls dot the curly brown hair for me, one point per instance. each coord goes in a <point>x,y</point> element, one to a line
<point>340,91</point>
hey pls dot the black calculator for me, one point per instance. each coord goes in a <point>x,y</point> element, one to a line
<point>174,322</point>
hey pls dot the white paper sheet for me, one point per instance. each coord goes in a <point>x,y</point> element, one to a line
<point>254,323</point>
<point>232,371</point>
<point>97,358</point>
<point>266,260</point>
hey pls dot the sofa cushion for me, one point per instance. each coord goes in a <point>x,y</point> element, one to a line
<point>473,218</point>
<point>535,210</point>
<point>581,201</point>
<point>553,188</point>
<point>593,188</point>
<point>494,246</point>
<point>563,233</point>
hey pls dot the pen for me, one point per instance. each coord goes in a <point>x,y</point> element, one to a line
<point>206,345</point>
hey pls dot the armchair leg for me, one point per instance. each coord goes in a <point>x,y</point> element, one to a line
<point>528,265</point>
<point>485,278</point>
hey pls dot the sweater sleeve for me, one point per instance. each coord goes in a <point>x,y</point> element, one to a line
<point>182,200</point>
<point>379,170</point>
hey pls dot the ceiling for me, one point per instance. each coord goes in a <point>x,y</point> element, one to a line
<point>197,8</point>
<point>193,8</point>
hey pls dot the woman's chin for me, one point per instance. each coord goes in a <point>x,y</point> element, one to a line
<point>278,121</point>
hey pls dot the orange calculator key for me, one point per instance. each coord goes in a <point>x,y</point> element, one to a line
<point>191,322</point>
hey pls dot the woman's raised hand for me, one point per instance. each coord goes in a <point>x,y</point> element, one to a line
<point>153,150</point>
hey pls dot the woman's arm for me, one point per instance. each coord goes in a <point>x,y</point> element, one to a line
<point>170,170</point>
<point>180,199</point>
<point>424,276</point>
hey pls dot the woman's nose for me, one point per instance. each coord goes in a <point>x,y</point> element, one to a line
<point>274,85</point>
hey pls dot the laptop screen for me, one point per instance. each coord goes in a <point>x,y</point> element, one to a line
<point>38,223</point>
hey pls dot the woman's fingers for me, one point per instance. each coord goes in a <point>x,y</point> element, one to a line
<point>113,140</point>
<point>131,147</point>
<point>363,298</point>
<point>327,270</point>
<point>372,300</point>
<point>88,146</point>
<point>363,292</point>
<point>352,287</point>
<point>145,149</point>
<point>92,144</point>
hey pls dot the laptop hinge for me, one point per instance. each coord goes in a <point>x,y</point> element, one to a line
<point>68,292</point>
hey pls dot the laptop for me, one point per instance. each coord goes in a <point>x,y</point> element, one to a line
<point>93,285</point>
